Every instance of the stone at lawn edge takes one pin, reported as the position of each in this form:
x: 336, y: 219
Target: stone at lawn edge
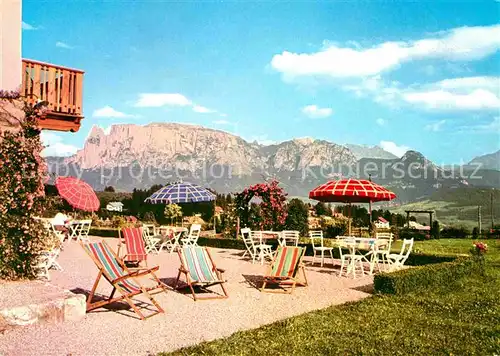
x: 68, y: 307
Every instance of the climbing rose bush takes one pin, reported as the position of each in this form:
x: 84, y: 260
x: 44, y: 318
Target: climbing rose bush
x: 22, y: 176
x: 272, y: 212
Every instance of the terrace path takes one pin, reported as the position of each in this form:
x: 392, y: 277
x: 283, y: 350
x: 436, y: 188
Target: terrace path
x: 185, y: 322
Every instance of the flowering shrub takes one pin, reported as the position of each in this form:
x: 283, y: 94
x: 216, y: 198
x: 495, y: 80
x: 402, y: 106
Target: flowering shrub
x: 22, y: 174
x: 272, y: 213
x: 479, y: 249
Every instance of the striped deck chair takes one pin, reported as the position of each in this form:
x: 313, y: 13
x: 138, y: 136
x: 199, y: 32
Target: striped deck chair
x: 134, y: 245
x: 285, y: 268
x: 199, y: 269
x: 125, y: 282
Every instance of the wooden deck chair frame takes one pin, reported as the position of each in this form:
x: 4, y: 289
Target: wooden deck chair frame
x: 291, y: 280
x: 191, y: 283
x: 129, y: 275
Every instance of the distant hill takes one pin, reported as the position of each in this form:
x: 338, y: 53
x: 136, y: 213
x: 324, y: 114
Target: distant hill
x: 488, y: 161
x: 458, y: 207
x: 363, y: 151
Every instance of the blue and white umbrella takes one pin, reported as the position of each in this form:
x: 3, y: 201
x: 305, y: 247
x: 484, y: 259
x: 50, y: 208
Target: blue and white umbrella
x: 183, y: 192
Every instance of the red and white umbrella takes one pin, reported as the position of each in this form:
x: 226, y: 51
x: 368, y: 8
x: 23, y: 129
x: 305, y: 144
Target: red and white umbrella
x: 77, y: 193
x: 351, y: 191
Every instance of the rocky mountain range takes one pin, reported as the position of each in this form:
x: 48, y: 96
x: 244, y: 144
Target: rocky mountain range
x: 133, y: 156
x: 488, y: 161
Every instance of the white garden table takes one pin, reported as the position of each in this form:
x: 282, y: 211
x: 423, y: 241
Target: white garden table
x: 171, y: 243
x: 354, y: 244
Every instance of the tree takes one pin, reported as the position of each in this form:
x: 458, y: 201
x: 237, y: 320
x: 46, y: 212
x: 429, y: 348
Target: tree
x: 435, y: 230
x: 109, y: 189
x: 322, y: 209
x: 297, y: 216
x: 173, y: 212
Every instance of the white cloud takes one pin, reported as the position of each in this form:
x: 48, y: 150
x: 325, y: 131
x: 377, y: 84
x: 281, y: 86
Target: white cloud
x: 435, y: 126
x: 63, y: 45
x: 108, y: 111
x: 223, y: 115
x: 478, y: 99
x: 458, y: 44
x: 155, y: 100
x: 467, y: 83
x: 27, y: 27
x: 393, y: 148
x: 202, y: 110
x: 55, y: 146
x: 381, y: 122
x: 315, y: 112
x: 221, y: 122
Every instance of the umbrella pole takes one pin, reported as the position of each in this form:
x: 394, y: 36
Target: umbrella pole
x: 349, y: 209
x: 215, y: 218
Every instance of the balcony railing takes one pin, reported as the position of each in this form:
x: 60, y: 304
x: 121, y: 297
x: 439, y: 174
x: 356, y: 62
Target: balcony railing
x: 60, y: 87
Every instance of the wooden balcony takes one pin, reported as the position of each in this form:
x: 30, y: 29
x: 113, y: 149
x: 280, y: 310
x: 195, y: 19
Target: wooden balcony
x: 60, y: 87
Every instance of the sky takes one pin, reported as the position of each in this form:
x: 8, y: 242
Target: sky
x: 403, y: 75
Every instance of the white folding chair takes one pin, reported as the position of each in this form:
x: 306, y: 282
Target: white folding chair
x: 83, y: 228
x: 48, y: 260
x: 289, y: 238
x: 261, y: 250
x: 150, y: 240
x: 397, y: 260
x: 381, y: 253
x: 318, y: 246
x: 249, y: 244
x: 192, y: 238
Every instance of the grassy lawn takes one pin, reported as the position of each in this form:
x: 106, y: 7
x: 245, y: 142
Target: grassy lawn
x: 460, y: 318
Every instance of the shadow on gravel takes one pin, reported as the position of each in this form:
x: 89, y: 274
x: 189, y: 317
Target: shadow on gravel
x: 253, y: 281
x: 120, y: 307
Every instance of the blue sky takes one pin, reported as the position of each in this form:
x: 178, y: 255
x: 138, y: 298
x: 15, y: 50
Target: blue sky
x: 420, y: 75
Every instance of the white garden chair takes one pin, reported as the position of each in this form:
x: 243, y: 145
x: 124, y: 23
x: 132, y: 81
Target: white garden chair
x: 192, y: 238
x: 397, y: 260
x: 381, y: 253
x: 255, y: 248
x: 289, y: 238
x: 318, y: 246
x: 150, y: 240
x: 48, y: 260
x: 79, y: 230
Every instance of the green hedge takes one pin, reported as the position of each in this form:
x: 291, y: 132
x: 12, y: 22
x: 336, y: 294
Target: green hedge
x: 103, y: 232
x: 421, y: 277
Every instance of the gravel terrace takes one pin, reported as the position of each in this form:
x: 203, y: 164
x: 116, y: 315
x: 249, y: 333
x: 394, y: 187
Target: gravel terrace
x: 118, y: 331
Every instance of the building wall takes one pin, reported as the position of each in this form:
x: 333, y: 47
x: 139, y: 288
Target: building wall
x: 10, y: 44
x: 11, y: 113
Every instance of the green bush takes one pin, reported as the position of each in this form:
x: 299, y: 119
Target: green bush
x: 418, y: 278
x: 103, y: 232
x: 297, y: 216
x: 333, y: 227
x: 417, y: 235
x: 455, y: 233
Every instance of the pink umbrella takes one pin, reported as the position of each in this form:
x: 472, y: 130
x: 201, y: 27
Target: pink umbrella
x: 77, y: 193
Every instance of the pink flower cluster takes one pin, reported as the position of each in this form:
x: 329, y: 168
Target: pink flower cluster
x: 480, y: 247
x: 22, y: 175
x: 273, y: 206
